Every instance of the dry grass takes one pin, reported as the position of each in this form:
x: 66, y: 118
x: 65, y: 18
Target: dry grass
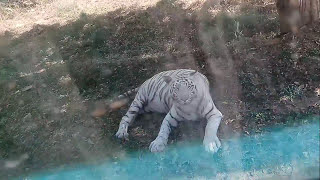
x: 17, y: 20
x: 20, y: 16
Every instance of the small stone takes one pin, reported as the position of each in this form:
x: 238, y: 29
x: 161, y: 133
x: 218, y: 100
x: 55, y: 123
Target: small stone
x: 27, y: 88
x: 90, y: 142
x: 27, y: 117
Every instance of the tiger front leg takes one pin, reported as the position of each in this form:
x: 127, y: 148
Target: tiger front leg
x: 160, y: 143
x: 128, y: 118
x: 211, y: 141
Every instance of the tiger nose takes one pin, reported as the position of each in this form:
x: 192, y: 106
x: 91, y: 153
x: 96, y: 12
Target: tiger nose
x: 184, y: 94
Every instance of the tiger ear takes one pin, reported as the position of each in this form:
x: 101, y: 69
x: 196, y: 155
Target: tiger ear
x: 167, y: 79
x: 193, y: 73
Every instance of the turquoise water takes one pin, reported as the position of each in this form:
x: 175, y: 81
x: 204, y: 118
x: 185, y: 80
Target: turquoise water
x: 286, y: 151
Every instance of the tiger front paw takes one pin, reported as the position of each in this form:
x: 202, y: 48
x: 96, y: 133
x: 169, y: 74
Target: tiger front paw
x: 122, y: 132
x: 158, y: 145
x: 211, y: 144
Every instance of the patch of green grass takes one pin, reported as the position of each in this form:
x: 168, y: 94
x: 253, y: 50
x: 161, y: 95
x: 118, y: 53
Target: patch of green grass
x: 297, y: 118
x: 246, y: 24
x: 101, y: 51
x: 314, y: 52
x: 7, y: 73
x: 260, y: 116
x: 6, y: 143
x: 285, y: 55
x: 292, y: 92
x: 254, y: 89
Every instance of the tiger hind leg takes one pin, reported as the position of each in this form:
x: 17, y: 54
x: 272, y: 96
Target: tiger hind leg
x: 135, y: 108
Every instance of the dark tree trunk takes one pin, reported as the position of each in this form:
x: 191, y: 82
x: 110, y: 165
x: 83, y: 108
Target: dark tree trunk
x: 295, y: 13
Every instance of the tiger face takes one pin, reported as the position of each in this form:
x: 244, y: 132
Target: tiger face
x: 182, y: 90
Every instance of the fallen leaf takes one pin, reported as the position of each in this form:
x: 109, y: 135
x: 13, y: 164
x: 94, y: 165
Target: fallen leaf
x: 317, y: 91
x: 40, y: 71
x: 27, y: 88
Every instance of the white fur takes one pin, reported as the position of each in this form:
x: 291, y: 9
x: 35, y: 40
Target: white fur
x: 189, y: 99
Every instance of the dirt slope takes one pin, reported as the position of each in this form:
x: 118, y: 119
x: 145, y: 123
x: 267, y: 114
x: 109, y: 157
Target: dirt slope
x: 52, y: 76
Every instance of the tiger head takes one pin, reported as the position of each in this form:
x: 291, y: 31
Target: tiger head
x: 182, y: 89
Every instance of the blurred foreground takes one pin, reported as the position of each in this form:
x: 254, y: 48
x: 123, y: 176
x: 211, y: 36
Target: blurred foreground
x: 280, y: 152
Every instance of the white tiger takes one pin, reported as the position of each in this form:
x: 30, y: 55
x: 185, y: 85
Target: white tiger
x: 184, y: 95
